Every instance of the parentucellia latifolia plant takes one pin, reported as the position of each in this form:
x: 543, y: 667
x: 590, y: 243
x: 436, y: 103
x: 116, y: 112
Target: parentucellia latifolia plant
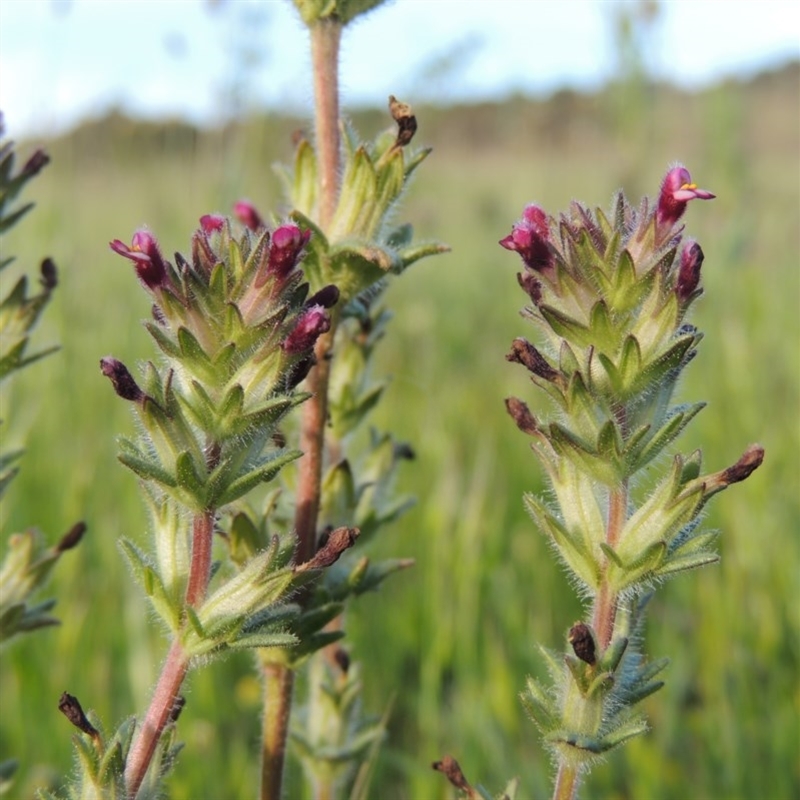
x: 609, y: 296
x: 259, y: 319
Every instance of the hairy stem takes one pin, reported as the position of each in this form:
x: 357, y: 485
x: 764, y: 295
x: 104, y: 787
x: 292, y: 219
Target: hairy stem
x: 566, y: 787
x: 605, y: 606
x: 277, y: 694
x: 176, y: 665
x: 279, y: 679
x: 326, y: 37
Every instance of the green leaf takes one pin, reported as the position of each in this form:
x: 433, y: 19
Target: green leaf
x: 653, y: 446
x: 570, y: 329
x: 189, y: 479
x: 571, y: 549
x: 262, y: 639
x: 263, y: 473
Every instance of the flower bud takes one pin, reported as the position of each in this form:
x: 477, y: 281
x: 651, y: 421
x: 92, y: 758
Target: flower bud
x: 689, y: 271
x: 36, y: 163
x: 71, y: 538
x: 531, y: 286
x: 312, y: 323
x: 49, y: 274
x: 286, y: 249
x: 124, y: 384
x: 530, y: 237
x: 327, y: 297
x: 677, y: 190
x: 246, y: 213
x: 146, y: 256
x: 212, y: 223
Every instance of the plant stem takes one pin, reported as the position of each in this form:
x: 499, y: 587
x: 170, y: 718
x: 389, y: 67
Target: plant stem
x: 278, y: 678
x: 566, y: 787
x: 177, y: 664
x: 326, y: 37
x: 277, y: 695
x: 605, y: 606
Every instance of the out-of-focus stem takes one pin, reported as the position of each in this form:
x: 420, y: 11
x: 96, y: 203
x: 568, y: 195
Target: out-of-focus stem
x: 277, y: 683
x: 279, y: 679
x: 605, y: 605
x: 326, y: 37
x: 176, y: 665
x: 566, y: 787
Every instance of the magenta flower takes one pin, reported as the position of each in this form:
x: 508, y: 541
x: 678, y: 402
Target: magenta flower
x: 286, y: 249
x: 146, y: 256
x: 530, y: 237
x: 246, y: 213
x: 212, y: 223
x: 313, y: 322
x: 689, y: 270
x: 677, y: 190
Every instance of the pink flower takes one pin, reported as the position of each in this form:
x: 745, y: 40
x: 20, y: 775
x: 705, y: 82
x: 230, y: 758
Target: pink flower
x: 286, y: 249
x: 677, y: 190
x: 146, y: 256
x: 246, y: 213
x: 689, y: 270
x: 313, y: 322
x: 212, y: 223
x: 530, y: 237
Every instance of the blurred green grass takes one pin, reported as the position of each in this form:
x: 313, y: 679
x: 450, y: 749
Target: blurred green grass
x: 453, y: 639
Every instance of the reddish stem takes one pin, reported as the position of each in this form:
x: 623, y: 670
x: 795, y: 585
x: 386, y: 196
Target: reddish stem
x: 177, y: 664
x: 605, y: 606
x: 277, y: 694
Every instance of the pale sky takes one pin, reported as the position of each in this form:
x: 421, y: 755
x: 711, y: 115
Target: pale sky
x: 61, y: 60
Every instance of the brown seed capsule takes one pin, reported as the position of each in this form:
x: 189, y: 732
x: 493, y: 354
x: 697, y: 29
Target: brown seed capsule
x: 71, y: 709
x: 582, y: 641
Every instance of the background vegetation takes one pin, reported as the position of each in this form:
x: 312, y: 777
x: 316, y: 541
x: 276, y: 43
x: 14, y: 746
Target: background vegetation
x: 451, y: 641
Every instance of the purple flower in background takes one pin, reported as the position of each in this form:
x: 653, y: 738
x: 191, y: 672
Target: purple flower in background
x: 246, y: 213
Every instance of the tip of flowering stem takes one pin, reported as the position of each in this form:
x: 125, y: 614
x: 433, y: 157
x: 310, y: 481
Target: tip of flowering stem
x: 71, y: 709
x: 450, y: 768
x: 337, y: 542
x: 71, y: 538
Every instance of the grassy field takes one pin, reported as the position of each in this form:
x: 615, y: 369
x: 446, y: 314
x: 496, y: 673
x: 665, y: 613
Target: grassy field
x: 453, y: 639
